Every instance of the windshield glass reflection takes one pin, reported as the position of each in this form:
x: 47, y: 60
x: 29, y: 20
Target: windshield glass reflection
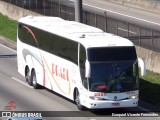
x: 113, y: 77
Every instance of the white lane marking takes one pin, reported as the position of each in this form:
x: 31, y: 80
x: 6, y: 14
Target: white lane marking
x: 122, y: 14
x: 16, y: 79
x: 8, y: 48
x: 127, y: 31
x: 117, y: 13
x: 144, y: 109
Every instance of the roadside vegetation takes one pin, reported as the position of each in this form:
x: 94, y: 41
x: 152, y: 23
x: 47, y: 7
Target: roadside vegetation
x: 149, y: 85
x: 8, y: 27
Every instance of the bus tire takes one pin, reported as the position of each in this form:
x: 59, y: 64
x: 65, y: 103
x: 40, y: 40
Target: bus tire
x: 77, y: 100
x: 27, y: 76
x: 34, y: 80
x: 29, y: 81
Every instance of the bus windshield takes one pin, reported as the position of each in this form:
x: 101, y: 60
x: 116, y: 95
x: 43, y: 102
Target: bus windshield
x: 113, y: 77
x: 113, y: 69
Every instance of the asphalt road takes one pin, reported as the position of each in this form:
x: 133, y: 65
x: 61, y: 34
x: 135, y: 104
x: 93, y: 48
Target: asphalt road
x: 24, y: 98
x: 14, y: 89
x: 123, y: 10
x: 123, y: 13
x: 119, y: 12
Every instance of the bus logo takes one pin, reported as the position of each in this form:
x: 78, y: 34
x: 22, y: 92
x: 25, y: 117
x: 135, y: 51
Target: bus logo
x: 115, y: 97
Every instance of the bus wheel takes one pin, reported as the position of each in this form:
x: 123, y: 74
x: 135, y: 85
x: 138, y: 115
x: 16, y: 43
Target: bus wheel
x: 34, y: 80
x: 78, y: 102
x: 28, y: 77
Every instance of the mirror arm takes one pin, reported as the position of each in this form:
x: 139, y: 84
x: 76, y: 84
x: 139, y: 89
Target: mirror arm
x: 142, y: 67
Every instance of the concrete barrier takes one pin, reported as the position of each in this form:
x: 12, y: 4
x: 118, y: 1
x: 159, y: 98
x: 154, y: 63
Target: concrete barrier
x: 14, y: 12
x: 151, y: 58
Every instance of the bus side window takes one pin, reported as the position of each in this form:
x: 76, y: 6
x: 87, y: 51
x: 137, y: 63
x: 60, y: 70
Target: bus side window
x: 25, y: 35
x: 82, y: 60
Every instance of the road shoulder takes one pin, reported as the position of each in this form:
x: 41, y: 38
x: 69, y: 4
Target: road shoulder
x: 9, y: 43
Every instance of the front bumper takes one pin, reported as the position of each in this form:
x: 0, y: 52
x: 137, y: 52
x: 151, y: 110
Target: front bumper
x: 101, y: 104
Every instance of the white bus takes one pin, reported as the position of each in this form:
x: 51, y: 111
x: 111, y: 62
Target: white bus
x: 93, y: 68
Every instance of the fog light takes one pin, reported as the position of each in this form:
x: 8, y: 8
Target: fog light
x: 93, y: 104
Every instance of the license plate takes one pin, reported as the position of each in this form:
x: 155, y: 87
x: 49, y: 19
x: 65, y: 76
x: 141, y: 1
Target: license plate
x: 115, y: 104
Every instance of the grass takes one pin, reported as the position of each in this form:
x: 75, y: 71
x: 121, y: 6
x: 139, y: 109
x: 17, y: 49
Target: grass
x: 8, y: 27
x: 149, y: 85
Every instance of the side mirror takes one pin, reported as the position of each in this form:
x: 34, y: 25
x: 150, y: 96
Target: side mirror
x: 142, y: 67
x: 87, y: 67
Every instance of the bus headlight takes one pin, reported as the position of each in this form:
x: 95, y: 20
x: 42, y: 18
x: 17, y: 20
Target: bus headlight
x: 95, y: 98
x: 133, y: 97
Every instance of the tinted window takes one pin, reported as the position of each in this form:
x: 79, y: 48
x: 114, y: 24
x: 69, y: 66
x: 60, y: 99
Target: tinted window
x: 82, y: 58
x: 112, y: 54
x: 51, y: 43
x: 26, y: 36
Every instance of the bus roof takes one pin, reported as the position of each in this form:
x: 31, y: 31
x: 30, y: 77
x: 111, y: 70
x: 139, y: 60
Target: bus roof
x: 87, y: 35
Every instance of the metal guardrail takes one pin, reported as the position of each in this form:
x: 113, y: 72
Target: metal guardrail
x: 65, y: 10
